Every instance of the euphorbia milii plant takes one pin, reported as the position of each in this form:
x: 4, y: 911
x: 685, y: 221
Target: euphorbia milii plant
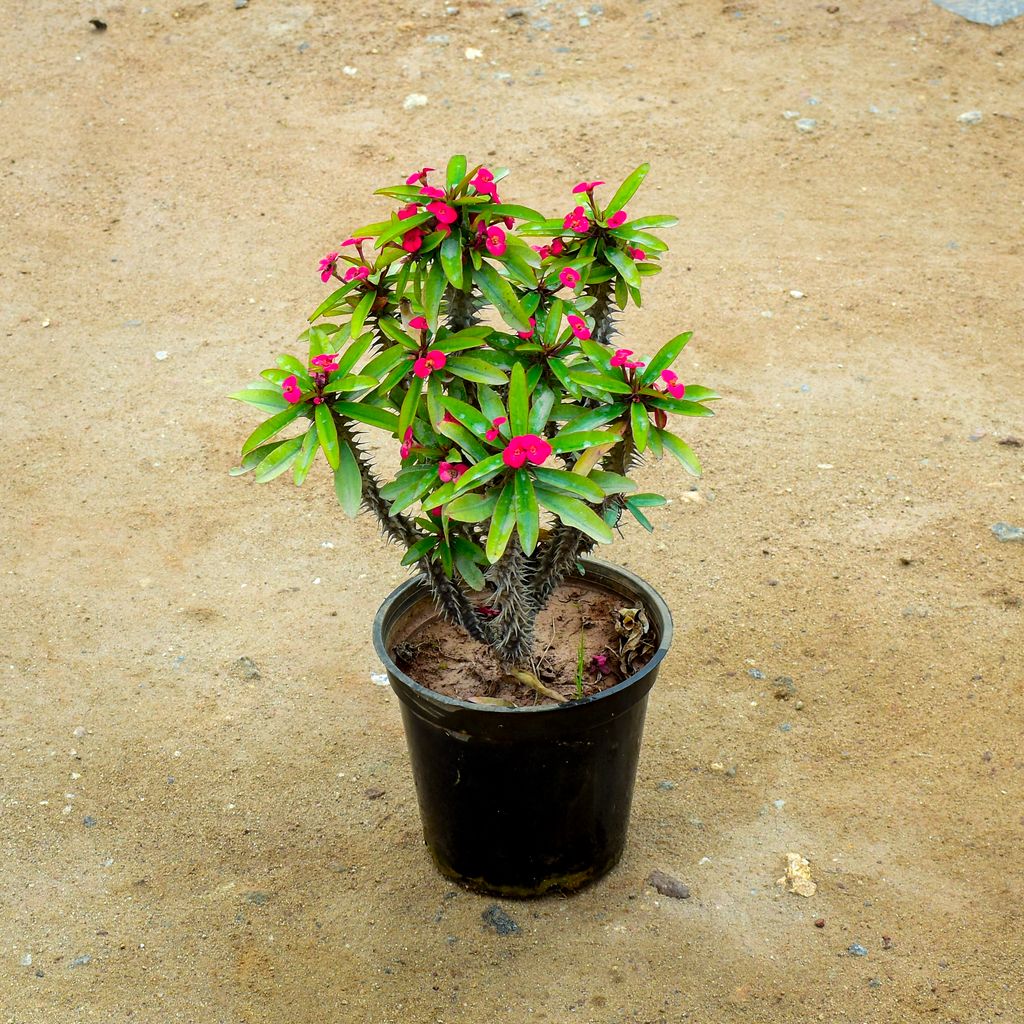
x: 517, y: 419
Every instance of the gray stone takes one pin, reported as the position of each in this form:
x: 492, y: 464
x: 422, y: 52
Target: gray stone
x: 246, y: 668
x: 669, y: 886
x: 80, y: 961
x: 856, y: 949
x: 665, y: 784
x: 1004, y: 531
x: 496, y: 918
x: 985, y: 12
x: 970, y: 117
x: 806, y: 124
x: 89, y: 821
x: 755, y: 673
x: 239, y: 4
x: 257, y: 899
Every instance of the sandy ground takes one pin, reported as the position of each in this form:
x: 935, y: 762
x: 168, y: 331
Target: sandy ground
x: 183, y: 841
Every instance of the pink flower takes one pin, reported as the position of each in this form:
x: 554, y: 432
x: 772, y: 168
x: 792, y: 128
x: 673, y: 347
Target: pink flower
x: 526, y: 448
x: 557, y: 247
x: 357, y: 273
x: 576, y: 221
x: 495, y: 241
x: 326, y: 362
x: 327, y: 266
x: 318, y: 400
x: 483, y: 182
x: 412, y: 240
x: 358, y: 240
x: 569, y: 277
x: 420, y: 176
x: 407, y: 211
x: 674, y: 389
x: 448, y: 417
x: 544, y: 250
x: 617, y: 219
x: 487, y: 611
x: 621, y: 356
x: 431, y: 192
x: 407, y: 443
x: 585, y: 186
x: 599, y: 663
x: 290, y: 389
x: 579, y: 327
x: 419, y: 323
x: 637, y: 254
x: 449, y: 471
x: 528, y: 334
x: 443, y: 212
x: 426, y: 365
x: 492, y: 434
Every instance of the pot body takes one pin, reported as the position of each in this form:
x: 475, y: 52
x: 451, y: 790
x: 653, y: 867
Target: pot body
x: 522, y: 801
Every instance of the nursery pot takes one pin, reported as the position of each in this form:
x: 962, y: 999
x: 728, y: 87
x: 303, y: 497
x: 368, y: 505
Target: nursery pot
x: 523, y: 801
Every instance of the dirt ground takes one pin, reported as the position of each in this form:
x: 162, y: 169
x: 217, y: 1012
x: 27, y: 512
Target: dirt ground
x: 188, y: 837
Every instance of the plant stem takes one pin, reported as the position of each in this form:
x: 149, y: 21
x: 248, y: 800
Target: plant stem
x: 462, y: 312
x: 603, y: 311
x: 512, y: 628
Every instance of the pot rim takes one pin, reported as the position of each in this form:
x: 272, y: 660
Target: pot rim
x: 603, y: 572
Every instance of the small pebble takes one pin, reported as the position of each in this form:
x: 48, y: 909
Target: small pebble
x: 414, y: 100
x: 970, y: 117
x: 875, y: 983
x: 379, y: 678
x: 665, y: 784
x: 1012, y: 442
x: 239, y: 4
x: 755, y: 673
x: 349, y: 70
x: 886, y: 942
x: 806, y: 124
x: 496, y: 918
x: 791, y: 115
x: 778, y: 804
x: 161, y: 356
x: 669, y: 886
x: 473, y: 54
x: 856, y: 949
x: 796, y: 294
x: 785, y: 727
x: 820, y: 923
x: 799, y: 705
x: 373, y: 793
x: 976, y: 435
x: 257, y: 899
x: 78, y: 732
x: 26, y: 960
x: 89, y: 821
x: 81, y: 961
x: 246, y: 668
x: 1004, y: 532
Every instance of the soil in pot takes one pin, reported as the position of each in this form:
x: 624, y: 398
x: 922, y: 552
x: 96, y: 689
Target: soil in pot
x: 616, y: 642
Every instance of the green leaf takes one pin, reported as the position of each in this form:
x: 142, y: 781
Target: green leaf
x: 451, y: 259
x: 408, y: 479
x: 627, y: 189
x: 252, y: 459
x: 577, y: 440
x: 410, y: 406
x: 490, y: 404
x: 474, y: 507
x: 661, y: 221
x: 360, y: 312
x: 386, y: 361
x: 572, y: 512
x: 467, y: 555
x: 665, y: 357
x: 478, y: 474
x: 306, y: 455
x: 332, y: 300
x: 354, y: 353
x: 499, y: 293
x: 371, y: 415
x: 540, y: 411
x: 680, y: 406
x: 572, y: 483
x: 600, y: 381
x: 640, y: 517
x: 650, y: 243
x: 476, y: 370
x: 465, y: 440
x: 612, y: 483
x: 682, y: 451
x: 590, y: 418
x: 432, y: 292
x: 444, y: 554
x: 467, y: 415
x: 393, y: 329
x: 435, y: 392
x: 327, y: 431
x: 625, y: 266
x: 422, y: 547
x: 646, y: 500
x: 413, y: 486
x: 526, y: 513
x: 350, y: 382
x: 400, y: 227
x: 561, y: 371
x: 293, y: 365
x: 348, y: 482
x: 513, y: 210
x: 271, y: 401
x: 518, y: 402
x: 455, y: 171
x: 278, y: 460
x: 502, y: 523
x: 640, y: 424
x: 268, y: 428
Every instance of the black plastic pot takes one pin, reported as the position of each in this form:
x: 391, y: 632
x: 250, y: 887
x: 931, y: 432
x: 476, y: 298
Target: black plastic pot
x: 523, y: 801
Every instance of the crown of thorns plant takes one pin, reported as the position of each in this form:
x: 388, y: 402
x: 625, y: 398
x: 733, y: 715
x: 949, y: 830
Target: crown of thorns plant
x: 517, y: 438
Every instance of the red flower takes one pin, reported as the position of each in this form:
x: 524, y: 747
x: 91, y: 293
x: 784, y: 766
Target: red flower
x: 637, y: 254
x: 557, y: 247
x: 418, y: 323
x: 526, y: 448
x: 495, y: 241
x: 431, y: 192
x: 426, y: 365
x: 585, y: 186
x: 483, y: 182
x: 407, y: 211
x: 674, y: 389
x: 616, y: 220
x: 357, y: 273
x: 528, y: 334
x: 569, y: 277
x: 290, y: 389
x: 420, y: 176
x: 443, y: 212
x: 327, y: 266
x: 325, y: 362
x: 449, y: 471
x: 492, y: 434
x: 577, y: 221
x: 408, y: 443
x: 412, y: 240
x: 580, y: 328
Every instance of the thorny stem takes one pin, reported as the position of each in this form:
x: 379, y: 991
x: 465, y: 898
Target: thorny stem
x: 512, y: 628
x: 462, y: 312
x: 603, y: 311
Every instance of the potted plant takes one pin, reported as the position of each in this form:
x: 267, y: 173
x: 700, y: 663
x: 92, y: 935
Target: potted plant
x: 522, y: 667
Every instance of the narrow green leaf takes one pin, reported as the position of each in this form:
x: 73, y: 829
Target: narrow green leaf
x: 350, y: 382
x: 571, y: 483
x: 680, y: 406
x: 640, y: 517
x: 306, y: 455
x: 268, y: 428
x: 600, y: 381
x: 386, y: 361
x: 393, y: 329
x: 474, y: 507
x: 332, y: 300
x: 467, y: 415
x: 682, y: 451
x: 627, y: 189
x: 435, y: 392
x: 540, y: 409
x: 662, y: 221
x: 665, y: 357
x: 502, y: 523
x: 467, y: 443
x: 526, y: 513
x: 327, y: 431
x: 271, y: 401
x: 293, y: 365
x: 490, y: 404
x: 354, y: 353
x: 253, y: 458
x: 359, y: 314
x: 371, y: 415
x: 455, y: 171
x: 590, y: 418
x: 348, y: 483
x: 475, y: 475
x: 574, y: 513
x: 451, y: 259
x: 647, y: 500
x: 640, y: 424
x: 400, y: 227
x: 278, y: 460
x: 624, y: 265
x: 518, y: 402
x: 476, y: 370
x: 578, y: 440
x: 410, y: 406
x: 499, y: 293
x: 422, y: 547
x: 513, y: 210
x: 613, y: 483
x: 432, y: 292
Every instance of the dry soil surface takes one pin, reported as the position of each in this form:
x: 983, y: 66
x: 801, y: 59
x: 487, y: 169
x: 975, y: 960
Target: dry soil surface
x: 188, y: 837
